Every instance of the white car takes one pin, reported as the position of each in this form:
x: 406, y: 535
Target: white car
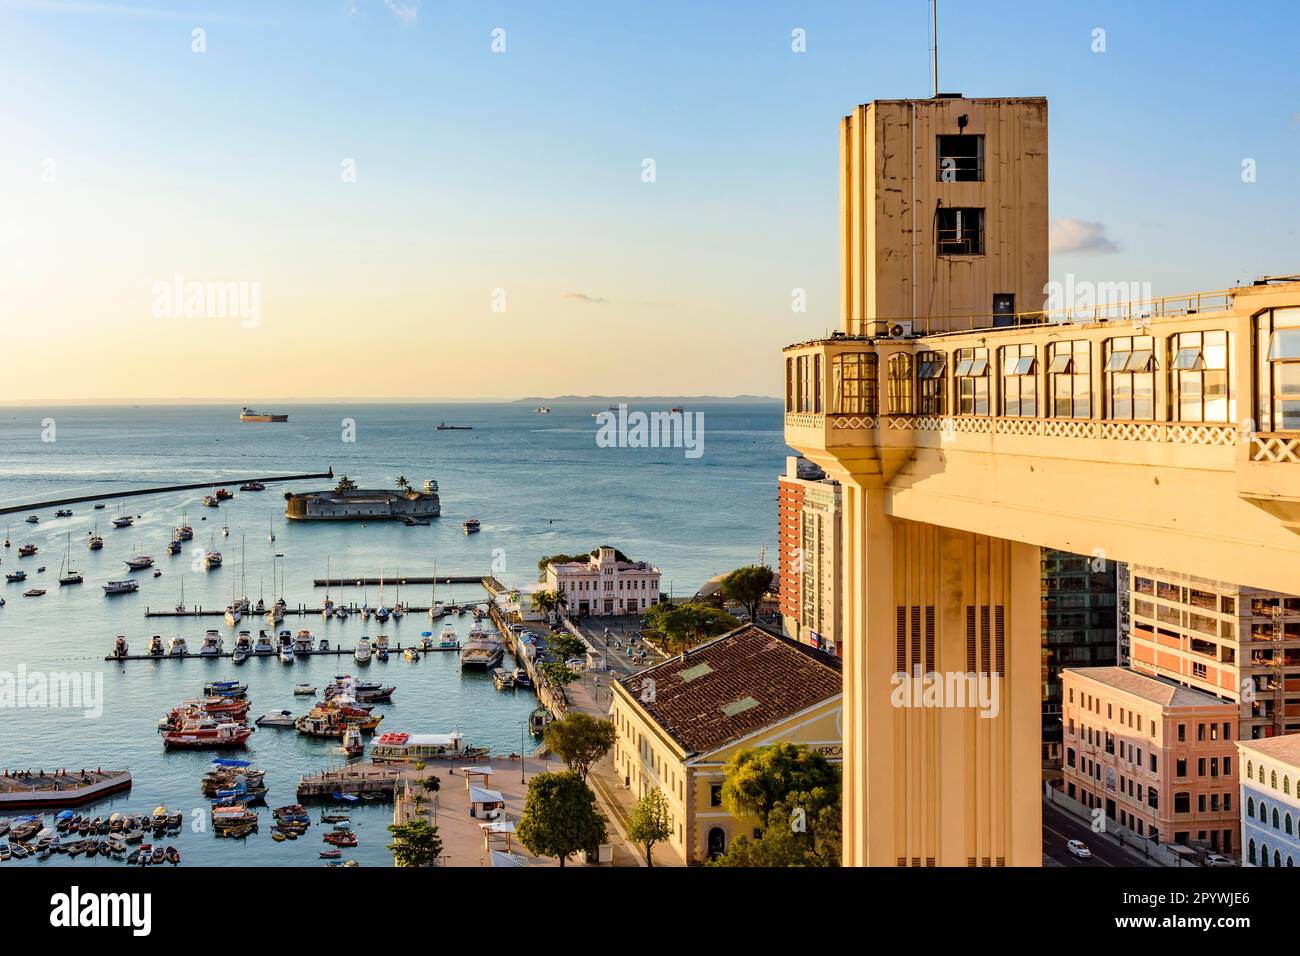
x: 1214, y: 859
x: 1079, y: 849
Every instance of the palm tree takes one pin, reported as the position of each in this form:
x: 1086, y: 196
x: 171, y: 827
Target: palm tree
x: 403, y: 484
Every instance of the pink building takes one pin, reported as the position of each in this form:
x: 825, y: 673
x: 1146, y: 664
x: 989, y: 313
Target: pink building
x: 1158, y: 758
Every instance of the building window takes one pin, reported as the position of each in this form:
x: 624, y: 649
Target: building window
x: 931, y: 379
x: 1130, y: 378
x: 715, y: 795
x: 972, y: 381
x: 959, y: 232
x: 789, y: 385
x: 1069, y: 379
x: 961, y: 159
x: 899, y: 375
x: 1277, y: 373
x: 1019, y: 381
x: 853, y: 383
x: 1199, y: 377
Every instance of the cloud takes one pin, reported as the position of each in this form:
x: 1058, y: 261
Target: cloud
x: 583, y: 297
x: 1076, y: 235
x: 406, y: 11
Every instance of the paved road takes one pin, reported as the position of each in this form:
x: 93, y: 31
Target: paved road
x: 1060, y: 826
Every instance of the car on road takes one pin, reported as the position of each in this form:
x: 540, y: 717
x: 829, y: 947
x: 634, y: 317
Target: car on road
x: 1214, y: 859
x: 1079, y: 849
x: 575, y: 662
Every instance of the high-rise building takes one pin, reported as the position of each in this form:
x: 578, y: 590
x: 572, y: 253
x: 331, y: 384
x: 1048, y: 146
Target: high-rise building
x: 811, y: 548
x: 1239, y: 643
x: 1123, y: 624
x: 1152, y: 755
x: 1078, y: 631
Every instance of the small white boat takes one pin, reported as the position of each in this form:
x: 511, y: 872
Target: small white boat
x: 286, y: 653
x: 304, y: 690
x: 362, y: 652
x: 121, y: 587
x: 176, y: 647
x: 212, y: 645
x: 279, y: 719
x: 263, y: 645
x: 341, y: 612
x: 233, y: 615
x: 123, y: 521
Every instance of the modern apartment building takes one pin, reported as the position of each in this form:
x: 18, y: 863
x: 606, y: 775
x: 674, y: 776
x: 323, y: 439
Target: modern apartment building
x: 1270, y: 801
x: 1239, y: 643
x: 811, y: 547
x: 603, y: 585
x: 1155, y: 756
x: 1079, y: 603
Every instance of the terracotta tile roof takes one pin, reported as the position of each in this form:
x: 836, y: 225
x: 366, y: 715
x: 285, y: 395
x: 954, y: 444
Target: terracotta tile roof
x: 735, y: 684
x: 1283, y: 748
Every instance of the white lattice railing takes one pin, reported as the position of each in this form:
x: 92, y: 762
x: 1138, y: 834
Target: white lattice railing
x: 1275, y: 448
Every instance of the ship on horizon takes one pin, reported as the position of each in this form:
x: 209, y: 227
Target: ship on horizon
x: 249, y: 415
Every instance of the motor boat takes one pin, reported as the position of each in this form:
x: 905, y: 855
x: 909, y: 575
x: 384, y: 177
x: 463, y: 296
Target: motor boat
x: 27, y: 550
x: 33, y: 519
x: 303, y: 642
x: 211, y: 559
x: 121, y: 587
x: 243, y: 647
x: 212, y: 645
x: 352, y: 743
x: 209, y: 501
x: 341, y: 612
x: 471, y: 526
x: 15, y: 576
x: 176, y: 647
x: 286, y: 652
x: 206, y: 731
x: 120, y: 650
x: 223, y: 494
x: 362, y: 651
x: 156, y: 646
x: 282, y: 718
x: 233, y: 615
x: 225, y: 688
x: 34, y: 592
x: 324, y: 646
x: 304, y: 690
x: 263, y: 646
x: 123, y: 521
x: 449, y: 639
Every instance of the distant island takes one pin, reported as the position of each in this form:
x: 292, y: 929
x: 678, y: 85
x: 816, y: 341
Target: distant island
x: 641, y: 399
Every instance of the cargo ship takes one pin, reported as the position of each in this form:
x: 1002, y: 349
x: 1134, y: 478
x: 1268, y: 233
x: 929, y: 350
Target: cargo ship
x: 249, y: 415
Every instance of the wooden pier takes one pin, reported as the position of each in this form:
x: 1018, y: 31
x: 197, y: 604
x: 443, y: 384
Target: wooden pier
x: 302, y: 610
x: 357, y: 582
x: 162, y: 489
x: 333, y: 651
x: 362, y: 778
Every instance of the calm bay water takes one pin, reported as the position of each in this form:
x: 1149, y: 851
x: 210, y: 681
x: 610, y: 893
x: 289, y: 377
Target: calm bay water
x: 538, y: 483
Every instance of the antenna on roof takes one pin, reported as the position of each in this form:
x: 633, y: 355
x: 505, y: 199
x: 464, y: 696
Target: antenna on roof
x: 934, y: 50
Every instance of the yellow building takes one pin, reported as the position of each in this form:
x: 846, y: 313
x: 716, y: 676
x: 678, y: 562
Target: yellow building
x: 970, y: 426
x: 679, y: 723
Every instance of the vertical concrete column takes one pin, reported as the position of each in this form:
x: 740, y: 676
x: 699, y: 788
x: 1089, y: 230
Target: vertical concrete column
x: 929, y: 780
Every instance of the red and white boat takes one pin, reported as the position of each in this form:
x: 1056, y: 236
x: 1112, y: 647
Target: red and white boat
x: 198, y: 732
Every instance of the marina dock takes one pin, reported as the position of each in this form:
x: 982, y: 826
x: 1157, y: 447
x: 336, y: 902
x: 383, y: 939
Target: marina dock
x: 400, y: 579
x: 333, y: 651
x: 358, y: 779
x: 301, y: 610
x: 59, y: 789
x: 161, y: 489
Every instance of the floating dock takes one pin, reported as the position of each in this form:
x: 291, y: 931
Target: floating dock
x: 161, y: 489
x: 355, y: 780
x: 332, y: 652
x: 300, y: 611
x: 356, y: 582
x: 62, y: 789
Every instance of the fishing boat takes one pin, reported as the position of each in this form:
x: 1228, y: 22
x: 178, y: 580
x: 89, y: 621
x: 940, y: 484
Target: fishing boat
x: 263, y: 646
x: 120, y: 648
x: 212, y: 646
x: 27, y: 550
x: 225, y: 688
x: 200, y: 732
x: 14, y: 576
x: 34, y: 592
x: 174, y: 547
x: 123, y: 521
x: 211, y: 559
x: 341, y: 838
x: 503, y: 679
x: 176, y: 647
x: 352, y: 743
x: 252, y: 486
x: 470, y: 526
x: 121, y: 587
x: 421, y: 747
x: 235, y: 820
x: 183, y: 532
x: 139, y: 562
x: 223, y: 494
x: 210, y: 501
x: 331, y: 854
x: 362, y: 652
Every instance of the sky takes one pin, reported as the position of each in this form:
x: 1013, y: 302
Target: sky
x: 453, y: 199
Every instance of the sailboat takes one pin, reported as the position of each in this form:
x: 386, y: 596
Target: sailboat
x: 95, y: 542
x: 181, y: 607
x: 436, y: 610
x: 66, y: 574
x: 399, y: 608
x: 327, y: 606
x: 381, y: 612
x: 271, y: 535
x: 7, y: 543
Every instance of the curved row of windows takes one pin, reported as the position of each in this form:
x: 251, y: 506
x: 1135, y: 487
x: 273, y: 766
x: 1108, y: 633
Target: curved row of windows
x: 1272, y: 777
x: 1263, y: 856
x: 1114, y: 378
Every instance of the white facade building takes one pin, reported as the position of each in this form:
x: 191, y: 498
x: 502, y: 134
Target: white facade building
x: 603, y: 585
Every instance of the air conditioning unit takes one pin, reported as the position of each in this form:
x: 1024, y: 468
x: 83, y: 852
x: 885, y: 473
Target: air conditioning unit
x: 900, y: 329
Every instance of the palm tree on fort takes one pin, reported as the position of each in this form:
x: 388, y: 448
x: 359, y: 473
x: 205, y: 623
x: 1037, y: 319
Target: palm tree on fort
x: 403, y: 484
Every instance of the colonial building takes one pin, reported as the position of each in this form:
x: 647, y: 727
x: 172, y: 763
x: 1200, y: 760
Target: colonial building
x: 604, y: 585
x: 1270, y: 801
x: 679, y: 723
x: 1239, y: 643
x: 811, y: 547
x: 1154, y: 756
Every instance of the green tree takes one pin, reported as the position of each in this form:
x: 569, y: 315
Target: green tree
x: 431, y: 783
x: 345, y: 485
x: 795, y: 793
x: 684, y: 625
x: 747, y: 586
x: 565, y: 646
x: 580, y: 740
x: 403, y: 484
x: 558, y: 673
x: 560, y: 817
x: 650, y: 823
x: 415, y: 843
x: 565, y: 558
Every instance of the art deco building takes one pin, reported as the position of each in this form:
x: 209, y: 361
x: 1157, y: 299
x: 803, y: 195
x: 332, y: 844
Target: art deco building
x: 969, y: 426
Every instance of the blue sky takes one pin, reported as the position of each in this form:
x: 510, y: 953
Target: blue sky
x: 521, y: 170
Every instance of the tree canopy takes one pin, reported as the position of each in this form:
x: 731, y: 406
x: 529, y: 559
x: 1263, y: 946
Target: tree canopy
x: 560, y: 817
x: 345, y: 484
x: 747, y: 586
x: 564, y: 558
x: 683, y: 625
x: 415, y: 843
x: 650, y: 823
x: 580, y: 740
